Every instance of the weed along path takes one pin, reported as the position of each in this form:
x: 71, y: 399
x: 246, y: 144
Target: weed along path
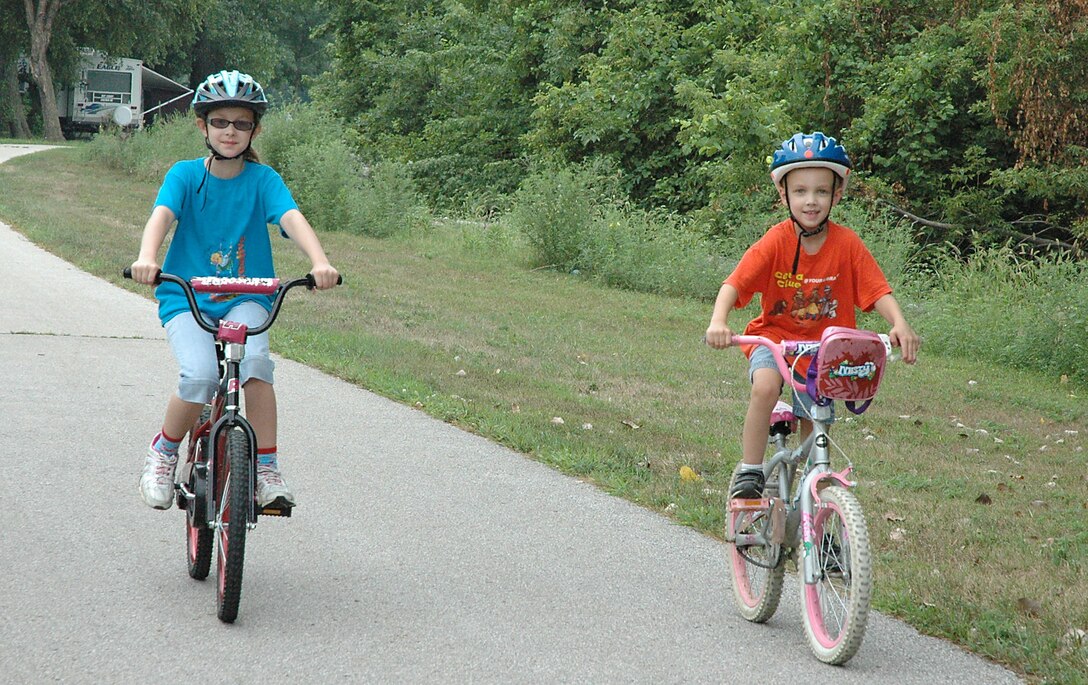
x: 418, y: 553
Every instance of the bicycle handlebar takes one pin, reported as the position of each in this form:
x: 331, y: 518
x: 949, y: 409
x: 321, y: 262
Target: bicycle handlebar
x: 238, y: 286
x: 793, y: 348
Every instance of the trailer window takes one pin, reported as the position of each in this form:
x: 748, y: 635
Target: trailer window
x: 109, y: 86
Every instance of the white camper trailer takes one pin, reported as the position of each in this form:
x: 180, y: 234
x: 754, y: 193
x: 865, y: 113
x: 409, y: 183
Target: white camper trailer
x: 116, y: 91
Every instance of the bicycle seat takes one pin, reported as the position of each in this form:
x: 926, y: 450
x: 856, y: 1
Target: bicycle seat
x: 782, y: 412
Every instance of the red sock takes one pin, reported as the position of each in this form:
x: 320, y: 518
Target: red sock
x: 266, y: 456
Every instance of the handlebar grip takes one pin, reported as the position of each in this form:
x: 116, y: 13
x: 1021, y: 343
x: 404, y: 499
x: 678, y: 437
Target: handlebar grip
x: 311, y: 282
x: 127, y: 273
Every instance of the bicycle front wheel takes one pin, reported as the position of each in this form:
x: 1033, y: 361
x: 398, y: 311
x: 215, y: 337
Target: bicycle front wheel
x: 233, y: 486
x: 836, y: 606
x: 756, y: 571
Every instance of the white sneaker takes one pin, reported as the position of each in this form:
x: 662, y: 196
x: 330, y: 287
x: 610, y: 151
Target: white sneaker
x: 157, y: 481
x: 271, y: 489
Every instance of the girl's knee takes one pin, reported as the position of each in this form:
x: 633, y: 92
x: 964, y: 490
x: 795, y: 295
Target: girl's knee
x: 258, y: 368
x: 197, y: 390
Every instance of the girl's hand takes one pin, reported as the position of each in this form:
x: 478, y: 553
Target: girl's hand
x: 903, y: 336
x: 145, y: 271
x: 325, y: 276
x: 718, y: 336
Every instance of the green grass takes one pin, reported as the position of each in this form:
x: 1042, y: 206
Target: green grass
x: 1003, y: 575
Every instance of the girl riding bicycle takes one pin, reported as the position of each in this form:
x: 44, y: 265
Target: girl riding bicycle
x: 812, y: 273
x: 222, y: 204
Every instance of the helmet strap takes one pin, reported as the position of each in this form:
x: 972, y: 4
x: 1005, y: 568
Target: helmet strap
x: 219, y: 157
x: 223, y: 158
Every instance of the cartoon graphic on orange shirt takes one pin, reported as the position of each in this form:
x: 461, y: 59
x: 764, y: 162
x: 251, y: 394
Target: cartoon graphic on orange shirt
x: 818, y: 305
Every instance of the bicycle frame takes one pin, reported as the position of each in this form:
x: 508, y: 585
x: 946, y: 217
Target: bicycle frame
x: 226, y: 416
x: 801, y: 504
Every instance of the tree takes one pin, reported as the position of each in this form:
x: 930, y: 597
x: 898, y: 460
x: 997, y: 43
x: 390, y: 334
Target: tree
x: 12, y: 45
x: 40, y: 18
x: 149, y: 27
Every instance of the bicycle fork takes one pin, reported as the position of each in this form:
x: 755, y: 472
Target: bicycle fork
x: 817, y: 477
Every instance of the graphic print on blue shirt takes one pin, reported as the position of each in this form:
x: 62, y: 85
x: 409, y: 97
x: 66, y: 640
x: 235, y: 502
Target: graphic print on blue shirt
x: 224, y: 233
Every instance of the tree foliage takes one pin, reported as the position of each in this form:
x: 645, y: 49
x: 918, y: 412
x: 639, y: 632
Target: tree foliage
x: 966, y: 114
x: 183, y: 39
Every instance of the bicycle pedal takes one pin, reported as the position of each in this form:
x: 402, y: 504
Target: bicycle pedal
x: 275, y: 509
x: 738, y: 504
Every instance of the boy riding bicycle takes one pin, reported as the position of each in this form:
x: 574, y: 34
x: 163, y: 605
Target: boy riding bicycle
x: 812, y: 274
x: 223, y: 204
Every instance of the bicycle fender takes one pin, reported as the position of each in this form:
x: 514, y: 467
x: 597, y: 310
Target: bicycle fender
x: 842, y: 478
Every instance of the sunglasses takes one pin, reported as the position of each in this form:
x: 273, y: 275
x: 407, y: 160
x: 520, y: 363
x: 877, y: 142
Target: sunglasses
x: 239, y: 124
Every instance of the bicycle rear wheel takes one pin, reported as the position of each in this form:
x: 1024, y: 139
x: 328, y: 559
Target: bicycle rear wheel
x: 756, y: 571
x: 198, y: 536
x: 233, y: 485
x: 836, y: 606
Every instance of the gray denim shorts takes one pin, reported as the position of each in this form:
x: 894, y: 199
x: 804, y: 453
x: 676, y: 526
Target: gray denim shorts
x: 762, y: 358
x: 194, y: 349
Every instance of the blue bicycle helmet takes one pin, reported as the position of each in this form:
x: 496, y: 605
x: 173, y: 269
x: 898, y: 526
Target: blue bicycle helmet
x: 229, y: 89
x: 810, y: 150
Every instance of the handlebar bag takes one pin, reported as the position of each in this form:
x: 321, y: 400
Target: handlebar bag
x: 848, y: 367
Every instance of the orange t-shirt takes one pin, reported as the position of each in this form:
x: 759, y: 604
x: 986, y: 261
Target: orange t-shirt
x: 825, y: 290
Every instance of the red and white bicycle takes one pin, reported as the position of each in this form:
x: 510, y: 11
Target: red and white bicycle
x: 217, y: 484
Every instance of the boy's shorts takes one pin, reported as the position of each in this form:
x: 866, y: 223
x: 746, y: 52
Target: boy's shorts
x: 194, y: 349
x: 762, y: 358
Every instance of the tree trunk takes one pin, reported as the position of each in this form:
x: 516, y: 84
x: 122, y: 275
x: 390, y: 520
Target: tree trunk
x: 40, y: 22
x: 15, y: 115
x: 205, y: 58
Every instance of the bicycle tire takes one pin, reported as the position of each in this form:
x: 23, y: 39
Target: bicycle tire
x: 836, y: 606
x: 233, y: 483
x: 757, y: 589
x: 198, y: 535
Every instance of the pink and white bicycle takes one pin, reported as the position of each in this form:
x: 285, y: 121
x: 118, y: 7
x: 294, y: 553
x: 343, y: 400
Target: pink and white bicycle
x: 809, y: 513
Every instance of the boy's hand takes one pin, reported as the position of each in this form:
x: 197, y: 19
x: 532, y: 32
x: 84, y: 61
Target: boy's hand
x: 325, y: 276
x: 903, y: 336
x: 718, y: 336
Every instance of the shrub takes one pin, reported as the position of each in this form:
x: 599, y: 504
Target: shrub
x: 388, y: 202
x: 150, y: 152
x: 283, y: 130
x: 555, y: 211
x: 653, y: 252
x: 324, y: 178
x: 1029, y: 313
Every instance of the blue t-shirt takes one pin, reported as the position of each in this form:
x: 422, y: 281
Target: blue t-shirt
x: 221, y: 231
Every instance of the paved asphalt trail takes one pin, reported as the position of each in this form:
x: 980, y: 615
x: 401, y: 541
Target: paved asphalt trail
x: 418, y: 554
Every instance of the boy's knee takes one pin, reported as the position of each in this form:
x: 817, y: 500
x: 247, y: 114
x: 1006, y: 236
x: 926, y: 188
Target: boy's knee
x: 766, y: 387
